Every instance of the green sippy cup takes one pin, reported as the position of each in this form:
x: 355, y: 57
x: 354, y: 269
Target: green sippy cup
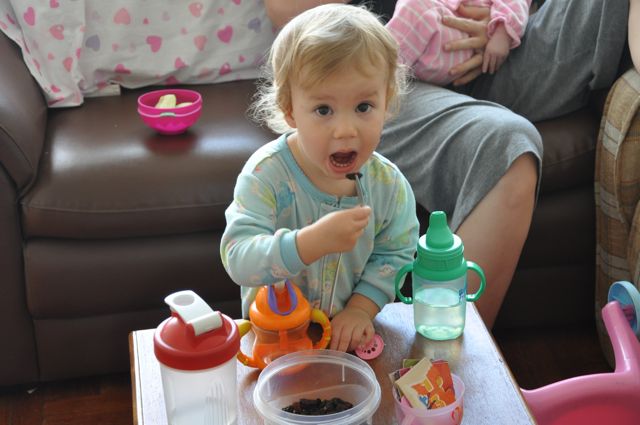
x: 439, y: 276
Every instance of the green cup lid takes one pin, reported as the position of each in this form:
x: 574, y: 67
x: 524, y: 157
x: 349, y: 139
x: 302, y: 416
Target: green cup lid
x: 440, y: 252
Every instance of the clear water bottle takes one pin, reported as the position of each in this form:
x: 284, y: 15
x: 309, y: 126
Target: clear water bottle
x: 439, y: 282
x: 197, y: 348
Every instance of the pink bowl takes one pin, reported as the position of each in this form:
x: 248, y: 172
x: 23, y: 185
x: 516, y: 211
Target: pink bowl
x: 147, y: 102
x: 170, y: 122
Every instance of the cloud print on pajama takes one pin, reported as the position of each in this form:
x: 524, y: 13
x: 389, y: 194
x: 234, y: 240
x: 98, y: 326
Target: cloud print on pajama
x: 83, y: 48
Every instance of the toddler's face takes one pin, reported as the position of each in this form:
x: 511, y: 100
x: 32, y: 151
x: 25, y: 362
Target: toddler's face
x: 338, y: 122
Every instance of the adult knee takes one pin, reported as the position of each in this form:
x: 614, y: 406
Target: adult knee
x: 511, y: 132
x: 518, y: 185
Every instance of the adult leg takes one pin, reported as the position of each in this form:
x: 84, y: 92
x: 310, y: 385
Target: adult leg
x: 569, y: 48
x: 495, y: 231
x: 478, y: 162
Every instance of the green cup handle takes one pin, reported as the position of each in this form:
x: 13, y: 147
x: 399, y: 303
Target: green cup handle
x: 474, y: 267
x: 404, y: 270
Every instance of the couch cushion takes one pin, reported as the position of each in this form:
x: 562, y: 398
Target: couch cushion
x: 569, y: 150
x: 67, y: 279
x: 104, y: 174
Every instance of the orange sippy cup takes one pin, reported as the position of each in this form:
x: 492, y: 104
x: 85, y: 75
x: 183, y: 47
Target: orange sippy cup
x: 280, y: 317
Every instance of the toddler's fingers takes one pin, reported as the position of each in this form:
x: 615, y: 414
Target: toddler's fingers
x: 340, y: 339
x: 358, y: 338
x: 335, y: 338
x: 336, y: 329
x: 367, y: 336
x: 363, y: 211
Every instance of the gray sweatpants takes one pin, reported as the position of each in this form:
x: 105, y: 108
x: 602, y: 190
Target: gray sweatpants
x: 454, y: 148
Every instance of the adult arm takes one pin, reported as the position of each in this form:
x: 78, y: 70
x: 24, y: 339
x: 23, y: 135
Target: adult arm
x: 281, y: 11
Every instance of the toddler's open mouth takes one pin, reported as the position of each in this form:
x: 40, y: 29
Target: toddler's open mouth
x: 343, y: 159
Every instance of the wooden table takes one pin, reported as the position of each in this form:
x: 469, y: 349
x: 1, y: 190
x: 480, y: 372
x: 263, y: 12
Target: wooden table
x: 492, y: 396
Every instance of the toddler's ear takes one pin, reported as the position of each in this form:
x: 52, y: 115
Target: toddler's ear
x: 291, y: 121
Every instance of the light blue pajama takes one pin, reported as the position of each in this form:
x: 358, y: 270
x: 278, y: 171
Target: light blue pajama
x: 273, y: 199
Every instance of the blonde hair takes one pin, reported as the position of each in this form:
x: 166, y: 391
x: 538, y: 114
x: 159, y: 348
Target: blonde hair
x: 318, y: 42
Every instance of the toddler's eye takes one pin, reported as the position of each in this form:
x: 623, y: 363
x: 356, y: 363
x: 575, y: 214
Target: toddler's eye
x: 364, y: 107
x: 323, y: 110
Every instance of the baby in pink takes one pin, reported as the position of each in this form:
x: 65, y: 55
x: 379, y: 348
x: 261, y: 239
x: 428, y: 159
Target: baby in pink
x: 418, y: 28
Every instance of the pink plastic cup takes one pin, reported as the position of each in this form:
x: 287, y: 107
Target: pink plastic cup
x: 448, y: 415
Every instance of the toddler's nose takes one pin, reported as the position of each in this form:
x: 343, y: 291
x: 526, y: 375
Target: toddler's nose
x: 344, y: 128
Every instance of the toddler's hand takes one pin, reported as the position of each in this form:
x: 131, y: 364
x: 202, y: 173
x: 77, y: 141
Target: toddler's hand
x: 335, y: 232
x: 496, y: 51
x: 339, y: 231
x: 350, y: 329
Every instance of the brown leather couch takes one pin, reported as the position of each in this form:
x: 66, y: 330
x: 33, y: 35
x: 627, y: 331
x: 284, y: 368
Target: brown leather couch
x: 100, y: 219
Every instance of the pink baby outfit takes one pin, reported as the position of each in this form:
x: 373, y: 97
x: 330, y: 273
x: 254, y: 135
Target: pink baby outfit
x: 417, y: 26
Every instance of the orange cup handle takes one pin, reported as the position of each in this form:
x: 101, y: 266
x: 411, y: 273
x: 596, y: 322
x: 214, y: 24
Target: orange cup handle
x: 244, y: 326
x: 318, y: 316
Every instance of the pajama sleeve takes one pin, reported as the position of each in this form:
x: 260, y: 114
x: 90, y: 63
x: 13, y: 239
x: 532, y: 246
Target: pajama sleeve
x: 513, y: 14
x: 394, y: 246
x: 252, y: 251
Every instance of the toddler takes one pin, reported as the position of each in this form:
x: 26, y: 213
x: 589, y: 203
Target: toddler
x: 417, y: 26
x: 334, y: 79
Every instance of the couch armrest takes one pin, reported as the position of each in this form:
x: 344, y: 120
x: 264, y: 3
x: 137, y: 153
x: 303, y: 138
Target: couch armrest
x: 617, y: 191
x: 23, y: 117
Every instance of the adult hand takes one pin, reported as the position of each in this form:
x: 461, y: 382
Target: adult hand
x: 473, y: 21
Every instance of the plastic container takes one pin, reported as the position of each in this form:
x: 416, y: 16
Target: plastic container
x: 311, y: 374
x: 196, y: 348
x: 147, y: 102
x: 280, y: 317
x: 448, y: 415
x: 170, y: 120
